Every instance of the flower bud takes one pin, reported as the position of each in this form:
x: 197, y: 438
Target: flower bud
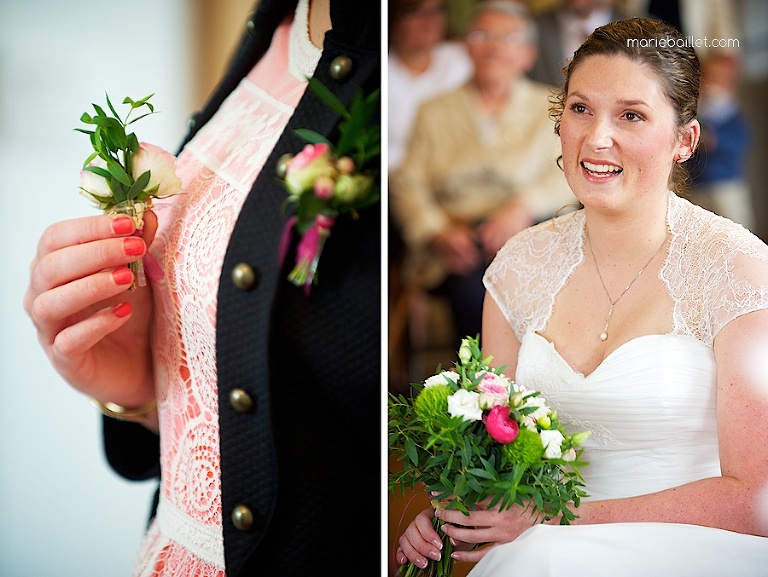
x: 306, y: 167
x: 345, y: 165
x: 352, y: 187
x: 324, y: 187
x: 465, y: 352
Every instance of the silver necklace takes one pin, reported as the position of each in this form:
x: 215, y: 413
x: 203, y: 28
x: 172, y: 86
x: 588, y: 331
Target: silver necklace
x: 604, y: 334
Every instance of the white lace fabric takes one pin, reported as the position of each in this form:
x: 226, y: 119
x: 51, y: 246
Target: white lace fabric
x: 713, y: 271
x: 650, y: 404
x: 217, y: 168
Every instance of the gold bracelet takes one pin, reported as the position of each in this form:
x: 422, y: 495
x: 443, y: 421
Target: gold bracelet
x: 121, y: 413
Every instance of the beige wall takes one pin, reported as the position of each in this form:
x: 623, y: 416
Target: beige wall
x: 217, y: 26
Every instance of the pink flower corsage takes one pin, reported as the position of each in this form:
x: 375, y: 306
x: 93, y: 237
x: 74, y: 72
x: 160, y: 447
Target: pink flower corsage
x: 325, y: 181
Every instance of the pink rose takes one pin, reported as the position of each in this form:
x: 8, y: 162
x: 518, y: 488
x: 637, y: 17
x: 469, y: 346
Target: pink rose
x: 500, y: 426
x: 162, y: 166
x: 494, y: 390
x: 306, y: 167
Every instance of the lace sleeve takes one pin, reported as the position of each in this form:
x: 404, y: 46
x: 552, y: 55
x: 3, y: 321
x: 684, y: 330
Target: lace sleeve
x: 525, y: 290
x: 716, y: 271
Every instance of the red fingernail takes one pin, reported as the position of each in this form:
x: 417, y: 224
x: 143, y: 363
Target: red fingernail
x: 133, y: 246
x: 121, y: 310
x: 122, y: 276
x: 122, y: 225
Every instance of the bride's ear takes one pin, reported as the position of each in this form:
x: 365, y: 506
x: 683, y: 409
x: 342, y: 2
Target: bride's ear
x: 689, y: 141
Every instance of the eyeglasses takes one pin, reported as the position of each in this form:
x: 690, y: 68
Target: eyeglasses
x: 486, y: 37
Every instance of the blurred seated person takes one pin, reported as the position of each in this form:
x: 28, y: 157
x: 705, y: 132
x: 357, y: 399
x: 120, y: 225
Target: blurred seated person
x: 562, y: 28
x: 718, y: 169
x: 422, y: 63
x: 480, y: 166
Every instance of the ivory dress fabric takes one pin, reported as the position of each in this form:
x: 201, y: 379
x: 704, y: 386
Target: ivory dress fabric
x: 650, y: 404
x: 217, y: 168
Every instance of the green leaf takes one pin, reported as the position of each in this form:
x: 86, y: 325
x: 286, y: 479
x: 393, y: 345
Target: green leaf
x: 312, y: 137
x: 118, y: 172
x: 138, y: 186
x: 328, y: 97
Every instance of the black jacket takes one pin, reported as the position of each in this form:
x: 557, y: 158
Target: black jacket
x: 306, y: 459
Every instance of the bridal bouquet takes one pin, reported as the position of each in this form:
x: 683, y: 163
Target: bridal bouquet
x: 123, y: 175
x: 472, y: 435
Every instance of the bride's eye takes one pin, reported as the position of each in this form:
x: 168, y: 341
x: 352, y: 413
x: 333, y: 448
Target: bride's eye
x: 578, y: 108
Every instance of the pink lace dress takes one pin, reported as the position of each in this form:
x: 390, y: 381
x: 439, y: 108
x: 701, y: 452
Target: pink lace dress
x: 217, y: 168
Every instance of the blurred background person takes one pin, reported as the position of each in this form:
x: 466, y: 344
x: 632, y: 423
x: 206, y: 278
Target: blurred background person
x: 562, y: 28
x: 480, y: 166
x: 718, y: 169
x: 422, y: 62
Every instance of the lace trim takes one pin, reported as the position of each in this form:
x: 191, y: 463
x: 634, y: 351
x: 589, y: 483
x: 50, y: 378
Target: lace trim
x: 204, y: 541
x: 303, y: 56
x: 715, y: 270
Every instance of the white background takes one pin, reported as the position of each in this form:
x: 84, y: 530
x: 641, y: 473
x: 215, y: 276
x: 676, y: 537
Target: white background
x: 63, y: 512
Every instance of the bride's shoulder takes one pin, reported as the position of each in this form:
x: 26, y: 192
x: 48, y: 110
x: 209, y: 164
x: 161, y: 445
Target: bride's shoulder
x: 701, y: 234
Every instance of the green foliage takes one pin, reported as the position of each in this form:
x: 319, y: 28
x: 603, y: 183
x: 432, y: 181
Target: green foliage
x: 112, y: 144
x: 459, y: 462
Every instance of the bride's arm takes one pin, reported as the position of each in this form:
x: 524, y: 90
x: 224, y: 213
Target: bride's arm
x: 731, y: 501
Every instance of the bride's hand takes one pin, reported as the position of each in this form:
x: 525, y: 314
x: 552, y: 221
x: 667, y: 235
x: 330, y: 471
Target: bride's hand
x: 419, y: 541
x: 483, y: 526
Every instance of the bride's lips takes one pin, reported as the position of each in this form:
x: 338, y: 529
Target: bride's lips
x: 600, y: 170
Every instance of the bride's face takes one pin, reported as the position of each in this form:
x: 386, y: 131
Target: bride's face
x: 618, y: 133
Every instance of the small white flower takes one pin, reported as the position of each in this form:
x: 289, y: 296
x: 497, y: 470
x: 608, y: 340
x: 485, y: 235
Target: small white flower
x: 552, y: 441
x: 465, y: 404
x: 440, y: 378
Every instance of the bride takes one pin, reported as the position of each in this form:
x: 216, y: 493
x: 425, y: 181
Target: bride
x: 642, y: 318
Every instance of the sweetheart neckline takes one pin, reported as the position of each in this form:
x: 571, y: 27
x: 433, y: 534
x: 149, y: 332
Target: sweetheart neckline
x: 614, y: 352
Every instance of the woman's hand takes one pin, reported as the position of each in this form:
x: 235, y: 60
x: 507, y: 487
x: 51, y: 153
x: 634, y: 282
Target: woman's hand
x: 457, y: 247
x: 94, y: 331
x: 502, y: 224
x: 420, y: 541
x: 483, y: 526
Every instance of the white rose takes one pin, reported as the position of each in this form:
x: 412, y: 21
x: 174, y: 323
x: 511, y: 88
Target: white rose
x: 439, y: 379
x: 94, y: 186
x: 465, y: 404
x: 552, y: 441
x: 162, y: 167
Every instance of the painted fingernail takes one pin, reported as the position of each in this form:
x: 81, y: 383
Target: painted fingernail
x: 455, y: 556
x: 122, y: 225
x: 133, y: 246
x: 438, y: 543
x: 121, y: 310
x: 122, y: 276
x: 435, y: 555
x: 420, y: 562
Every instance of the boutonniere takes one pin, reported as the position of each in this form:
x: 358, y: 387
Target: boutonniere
x: 123, y: 175
x: 326, y: 180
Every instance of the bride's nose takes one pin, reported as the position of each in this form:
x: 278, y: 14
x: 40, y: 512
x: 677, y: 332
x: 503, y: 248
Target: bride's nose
x: 599, y: 134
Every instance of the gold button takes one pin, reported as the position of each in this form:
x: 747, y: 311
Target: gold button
x: 244, y: 277
x: 241, y: 401
x: 242, y: 518
x: 341, y: 66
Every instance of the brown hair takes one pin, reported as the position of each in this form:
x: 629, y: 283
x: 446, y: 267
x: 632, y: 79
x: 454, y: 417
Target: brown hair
x: 657, y: 45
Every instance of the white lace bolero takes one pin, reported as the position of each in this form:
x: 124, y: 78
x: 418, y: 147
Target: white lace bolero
x: 715, y: 270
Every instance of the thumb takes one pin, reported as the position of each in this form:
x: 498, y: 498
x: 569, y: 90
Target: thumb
x: 150, y: 227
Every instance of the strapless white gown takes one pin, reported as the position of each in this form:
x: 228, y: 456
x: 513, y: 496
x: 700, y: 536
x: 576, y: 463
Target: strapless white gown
x: 651, y: 408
